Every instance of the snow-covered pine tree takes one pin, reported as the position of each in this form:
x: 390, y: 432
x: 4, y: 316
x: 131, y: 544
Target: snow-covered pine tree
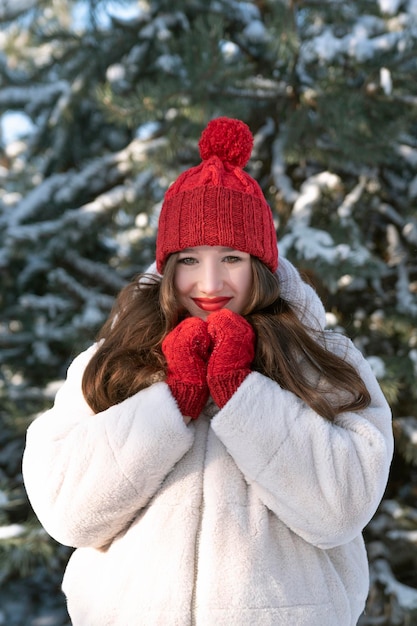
x: 117, y: 94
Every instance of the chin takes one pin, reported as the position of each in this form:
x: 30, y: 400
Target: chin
x: 203, y: 315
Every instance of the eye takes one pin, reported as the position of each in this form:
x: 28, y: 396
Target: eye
x: 187, y: 260
x: 232, y: 259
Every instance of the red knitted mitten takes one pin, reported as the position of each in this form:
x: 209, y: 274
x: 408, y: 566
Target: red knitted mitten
x: 233, y: 340
x: 186, y: 349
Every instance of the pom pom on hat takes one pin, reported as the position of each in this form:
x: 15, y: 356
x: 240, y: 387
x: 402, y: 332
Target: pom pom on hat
x: 228, y: 139
x: 217, y: 203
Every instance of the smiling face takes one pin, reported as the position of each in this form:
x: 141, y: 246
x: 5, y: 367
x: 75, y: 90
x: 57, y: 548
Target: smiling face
x: 209, y: 278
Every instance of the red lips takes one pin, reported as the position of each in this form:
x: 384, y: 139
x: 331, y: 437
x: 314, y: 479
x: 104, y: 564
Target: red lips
x: 211, y: 304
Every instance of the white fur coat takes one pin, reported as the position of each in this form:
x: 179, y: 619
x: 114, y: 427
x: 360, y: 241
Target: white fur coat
x: 248, y: 516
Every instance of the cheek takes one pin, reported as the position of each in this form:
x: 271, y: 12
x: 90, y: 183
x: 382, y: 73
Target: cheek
x: 246, y: 294
x: 246, y: 284
x: 181, y: 294
x: 180, y: 282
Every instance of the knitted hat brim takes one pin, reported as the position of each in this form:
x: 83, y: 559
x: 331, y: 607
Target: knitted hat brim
x: 216, y: 216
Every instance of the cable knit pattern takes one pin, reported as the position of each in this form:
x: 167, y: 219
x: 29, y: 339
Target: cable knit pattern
x: 186, y: 349
x: 233, y: 352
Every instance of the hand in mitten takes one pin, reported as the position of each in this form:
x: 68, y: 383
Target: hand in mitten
x: 186, y: 349
x: 233, y: 340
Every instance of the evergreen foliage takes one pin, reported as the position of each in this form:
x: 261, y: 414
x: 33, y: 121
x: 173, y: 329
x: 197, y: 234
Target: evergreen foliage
x: 116, y: 102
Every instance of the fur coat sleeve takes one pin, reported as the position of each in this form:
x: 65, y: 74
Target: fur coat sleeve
x: 88, y: 475
x: 323, y: 480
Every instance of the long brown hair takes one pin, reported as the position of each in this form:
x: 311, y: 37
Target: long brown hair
x: 300, y: 358
x: 129, y: 356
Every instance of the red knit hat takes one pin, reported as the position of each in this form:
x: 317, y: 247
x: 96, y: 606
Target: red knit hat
x: 216, y: 203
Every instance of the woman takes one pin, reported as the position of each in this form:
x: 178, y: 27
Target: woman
x: 216, y: 454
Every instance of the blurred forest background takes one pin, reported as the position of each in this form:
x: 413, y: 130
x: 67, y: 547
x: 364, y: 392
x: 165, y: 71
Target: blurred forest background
x: 101, y: 106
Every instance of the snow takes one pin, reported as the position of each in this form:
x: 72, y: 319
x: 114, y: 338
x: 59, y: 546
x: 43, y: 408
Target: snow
x: 255, y: 32
x: 390, y: 7
x: 358, y: 44
x: 121, y: 10
x: 11, y: 531
x: 368, y: 37
x: 412, y: 8
x: 345, y: 208
x: 331, y: 319
x: 278, y: 170
x: 141, y: 220
x: 310, y: 193
x: 32, y: 98
x: 159, y: 28
x: 408, y: 153
x: 169, y: 63
x: 406, y: 596
x: 385, y: 79
x: 10, y: 9
x: 406, y: 301
x: 245, y: 11
x: 148, y: 130
x: 229, y: 50
x: 49, y: 303
x: 36, y: 198
x: 116, y: 73
x: 377, y: 365
x: 313, y: 244
x: 14, y: 125
x: 413, y: 356
x: 4, y: 499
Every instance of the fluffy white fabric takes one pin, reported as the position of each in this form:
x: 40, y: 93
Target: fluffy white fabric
x: 252, y: 515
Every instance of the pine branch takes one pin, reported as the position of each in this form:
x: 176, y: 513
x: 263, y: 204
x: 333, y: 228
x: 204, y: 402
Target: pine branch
x: 405, y: 429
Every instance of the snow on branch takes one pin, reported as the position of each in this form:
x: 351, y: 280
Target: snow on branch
x: 406, y: 301
x: 361, y: 43
x: 36, y: 199
x: 72, y: 221
x: 49, y: 303
x: 11, y: 9
x: 83, y: 294
x: 100, y: 273
x: 405, y: 596
x: 254, y: 89
x: 407, y: 99
x: 351, y: 199
x: 312, y: 243
x: 282, y: 182
x: 63, y: 188
x: 311, y: 192
x: 405, y: 429
x: 33, y: 97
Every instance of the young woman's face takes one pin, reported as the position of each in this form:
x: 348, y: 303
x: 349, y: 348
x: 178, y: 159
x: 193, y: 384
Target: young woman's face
x: 209, y: 278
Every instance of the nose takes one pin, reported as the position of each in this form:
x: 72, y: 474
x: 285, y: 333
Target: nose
x: 211, y: 281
